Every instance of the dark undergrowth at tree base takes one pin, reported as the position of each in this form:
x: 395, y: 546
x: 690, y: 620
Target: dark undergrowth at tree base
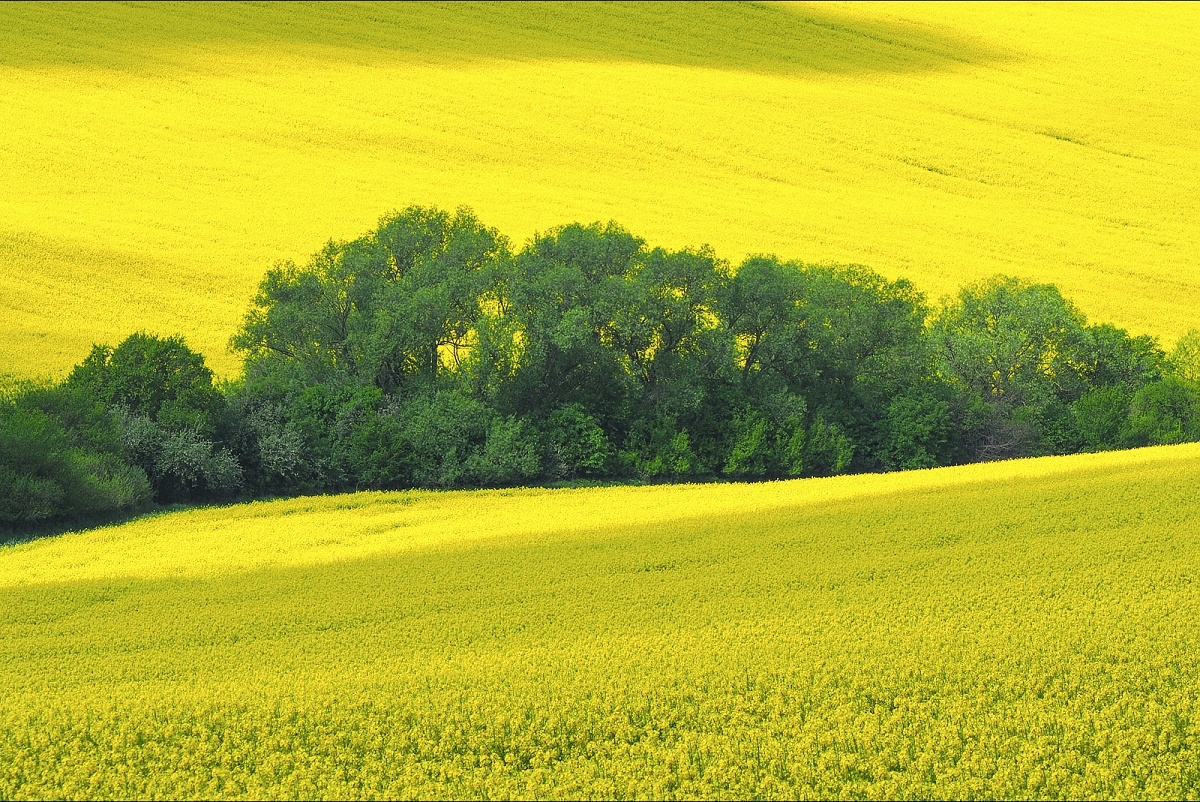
x: 429, y: 354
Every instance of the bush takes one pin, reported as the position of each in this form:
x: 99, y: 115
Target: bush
x: 381, y: 456
x: 770, y: 442
x: 508, y: 455
x: 657, y: 450
x: 577, y: 445
x: 441, y: 433
x: 828, y: 450
x: 46, y: 477
x: 279, y: 449
x: 30, y: 499
x: 158, y: 378
x: 918, y: 433
x: 1164, y: 413
x: 1100, y: 418
x: 182, y: 464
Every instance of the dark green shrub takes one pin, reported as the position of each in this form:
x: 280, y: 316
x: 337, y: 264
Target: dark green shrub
x: 1165, y: 412
x: 46, y: 477
x: 578, y: 447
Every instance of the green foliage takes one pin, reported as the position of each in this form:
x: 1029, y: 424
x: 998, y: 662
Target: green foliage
x: 46, y: 475
x: 827, y: 450
x: 395, y: 309
x: 658, y: 450
x: 181, y: 462
x: 844, y: 339
x: 1111, y: 358
x: 1100, y: 418
x: 769, y: 442
x: 158, y: 378
x: 1185, y: 359
x: 578, y: 446
x: 439, y: 441
x: 919, y: 433
x: 269, y: 445
x: 1040, y: 380
x: 1008, y: 341
x: 167, y: 412
x: 34, y: 466
x: 427, y: 354
x: 1165, y: 412
x: 442, y: 434
x: 564, y: 292
x: 508, y: 456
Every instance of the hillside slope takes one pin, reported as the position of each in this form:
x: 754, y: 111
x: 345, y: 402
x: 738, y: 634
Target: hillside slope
x: 160, y: 158
x: 1021, y: 629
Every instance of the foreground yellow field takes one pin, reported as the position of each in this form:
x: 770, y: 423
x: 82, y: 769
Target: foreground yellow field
x: 156, y: 160
x: 1021, y: 629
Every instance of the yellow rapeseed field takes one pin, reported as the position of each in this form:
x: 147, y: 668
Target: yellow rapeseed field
x: 1018, y: 629
x: 156, y: 159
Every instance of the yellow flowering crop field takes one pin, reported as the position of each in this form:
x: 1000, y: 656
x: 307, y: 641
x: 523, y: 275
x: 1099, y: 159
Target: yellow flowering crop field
x: 155, y: 160
x: 1015, y: 629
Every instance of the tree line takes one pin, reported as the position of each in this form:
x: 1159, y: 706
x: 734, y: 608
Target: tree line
x: 430, y: 353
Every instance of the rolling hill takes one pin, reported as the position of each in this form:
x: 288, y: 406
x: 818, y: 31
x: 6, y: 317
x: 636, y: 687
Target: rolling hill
x: 1010, y: 629
x: 159, y: 158
x: 1017, y: 629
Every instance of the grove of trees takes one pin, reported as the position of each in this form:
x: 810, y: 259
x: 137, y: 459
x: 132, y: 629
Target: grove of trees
x: 429, y: 353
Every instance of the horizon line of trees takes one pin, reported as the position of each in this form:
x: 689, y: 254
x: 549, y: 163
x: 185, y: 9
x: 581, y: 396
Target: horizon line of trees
x: 430, y: 353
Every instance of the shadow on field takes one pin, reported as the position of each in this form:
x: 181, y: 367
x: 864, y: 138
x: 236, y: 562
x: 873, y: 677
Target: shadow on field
x: 766, y: 39
x: 11, y: 535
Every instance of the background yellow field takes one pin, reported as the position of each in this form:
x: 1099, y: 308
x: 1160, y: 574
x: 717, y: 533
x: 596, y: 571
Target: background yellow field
x: 1022, y: 629
x: 154, y: 161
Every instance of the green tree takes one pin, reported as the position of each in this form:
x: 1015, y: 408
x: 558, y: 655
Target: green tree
x: 1109, y: 357
x: 396, y: 309
x: 842, y: 338
x: 561, y: 295
x: 1164, y: 413
x: 1185, y: 358
x: 155, y: 377
x: 168, y: 409
x: 46, y: 475
x: 1020, y: 349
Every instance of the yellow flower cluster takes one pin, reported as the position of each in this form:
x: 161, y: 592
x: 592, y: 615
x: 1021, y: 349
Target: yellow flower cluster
x: 1017, y: 629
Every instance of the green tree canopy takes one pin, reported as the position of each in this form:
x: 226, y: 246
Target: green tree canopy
x: 397, y: 306
x: 1010, y: 341
x: 155, y: 377
x: 1185, y: 358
